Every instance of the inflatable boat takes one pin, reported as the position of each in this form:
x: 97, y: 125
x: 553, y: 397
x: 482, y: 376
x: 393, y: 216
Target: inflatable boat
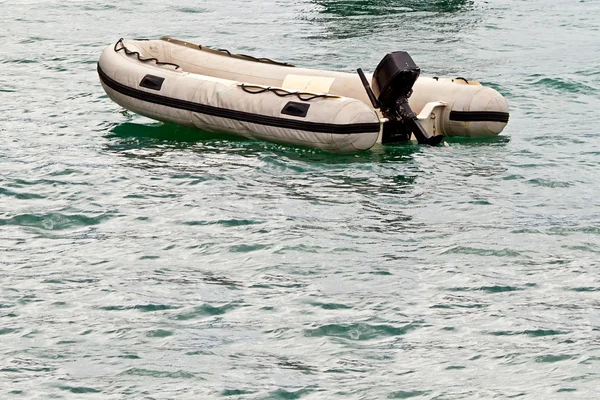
x: 215, y: 90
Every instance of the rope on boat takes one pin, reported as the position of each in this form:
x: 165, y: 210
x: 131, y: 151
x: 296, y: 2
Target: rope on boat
x: 266, y: 60
x: 227, y: 52
x: 139, y: 57
x: 304, y: 96
x: 251, y: 58
x: 457, y: 78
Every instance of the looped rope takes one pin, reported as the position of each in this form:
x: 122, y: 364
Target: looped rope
x: 304, y: 96
x: 224, y: 51
x: 266, y: 60
x: 139, y: 57
x: 227, y: 52
x: 251, y: 58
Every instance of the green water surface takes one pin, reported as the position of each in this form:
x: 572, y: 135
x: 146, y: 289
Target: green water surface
x: 143, y: 260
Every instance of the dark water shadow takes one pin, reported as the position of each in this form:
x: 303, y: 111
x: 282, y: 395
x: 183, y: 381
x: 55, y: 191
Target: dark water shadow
x: 343, y: 19
x: 489, y: 141
x: 348, y: 8
x: 378, y: 154
x: 131, y: 135
x: 297, y: 173
x: 156, y: 139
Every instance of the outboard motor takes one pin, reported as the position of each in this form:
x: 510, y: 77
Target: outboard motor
x: 393, y: 81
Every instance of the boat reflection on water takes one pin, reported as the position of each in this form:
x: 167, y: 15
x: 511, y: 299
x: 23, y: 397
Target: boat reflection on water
x: 158, y: 133
x: 154, y: 140
x: 279, y: 174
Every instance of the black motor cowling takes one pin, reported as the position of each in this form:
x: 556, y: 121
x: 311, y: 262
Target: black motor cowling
x: 392, y: 82
x: 394, y: 78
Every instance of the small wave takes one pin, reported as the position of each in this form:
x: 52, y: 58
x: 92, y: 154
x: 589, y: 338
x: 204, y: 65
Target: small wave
x: 489, y: 289
x: 282, y: 394
x: 159, y: 374
x: 235, y: 392
x: 99, y: 7
x: 224, y: 222
x: 159, y: 333
x: 564, y: 390
x: 6, y: 331
x: 565, y: 231
x: 56, y: 281
x: 359, y: 331
x: 190, y: 10
x: 247, y: 248
x: 19, y: 61
x: 296, y: 365
x: 451, y: 306
x: 53, y: 221
x: 141, y: 307
x: 483, y: 252
x: 588, y: 72
x: 45, y: 182
x: 79, y: 389
x: 330, y: 306
x: 565, y: 85
x: 587, y: 247
x: 128, y: 356
x: 408, y: 395
x: 20, y: 195
x: 586, y: 289
x: 533, y: 333
x: 549, y: 183
x: 206, y: 310
x: 221, y: 281
x: 590, y: 360
x: 551, y: 358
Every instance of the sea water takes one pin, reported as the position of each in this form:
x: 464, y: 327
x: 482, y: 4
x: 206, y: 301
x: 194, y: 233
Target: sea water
x: 144, y: 260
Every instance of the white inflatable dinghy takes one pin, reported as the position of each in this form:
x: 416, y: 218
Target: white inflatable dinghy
x: 215, y: 90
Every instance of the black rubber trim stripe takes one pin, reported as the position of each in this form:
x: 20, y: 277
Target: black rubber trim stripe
x: 236, y: 115
x: 471, y: 116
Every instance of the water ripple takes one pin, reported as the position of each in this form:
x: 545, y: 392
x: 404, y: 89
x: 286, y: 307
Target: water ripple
x: 142, y: 259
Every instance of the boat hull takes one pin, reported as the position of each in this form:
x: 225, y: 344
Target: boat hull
x: 335, y: 124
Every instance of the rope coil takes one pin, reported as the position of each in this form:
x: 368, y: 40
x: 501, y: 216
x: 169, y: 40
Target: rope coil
x: 304, y: 96
x: 265, y: 60
x: 139, y: 57
x: 251, y: 58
